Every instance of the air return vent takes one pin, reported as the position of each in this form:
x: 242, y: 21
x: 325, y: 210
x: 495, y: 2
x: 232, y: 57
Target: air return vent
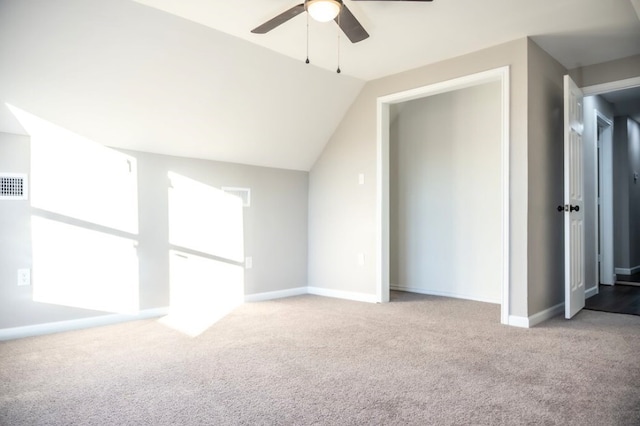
x: 13, y: 186
x: 243, y: 193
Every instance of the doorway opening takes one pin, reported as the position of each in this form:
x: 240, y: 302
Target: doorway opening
x: 610, y: 100
x: 385, y: 105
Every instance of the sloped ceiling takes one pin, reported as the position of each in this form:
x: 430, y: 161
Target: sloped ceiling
x: 130, y: 76
x: 189, y: 78
x: 409, y: 34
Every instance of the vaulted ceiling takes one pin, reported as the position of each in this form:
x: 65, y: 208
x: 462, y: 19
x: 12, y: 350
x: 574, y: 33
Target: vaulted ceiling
x: 189, y: 78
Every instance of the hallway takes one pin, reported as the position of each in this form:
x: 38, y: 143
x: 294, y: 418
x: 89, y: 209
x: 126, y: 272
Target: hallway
x: 619, y: 298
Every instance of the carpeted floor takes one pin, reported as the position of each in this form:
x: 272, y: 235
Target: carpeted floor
x: 309, y: 360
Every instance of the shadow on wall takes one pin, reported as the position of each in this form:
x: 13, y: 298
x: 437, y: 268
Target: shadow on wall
x: 84, y: 230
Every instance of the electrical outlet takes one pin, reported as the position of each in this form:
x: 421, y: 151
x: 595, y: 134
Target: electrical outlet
x: 248, y: 262
x: 24, y: 277
x: 360, y: 259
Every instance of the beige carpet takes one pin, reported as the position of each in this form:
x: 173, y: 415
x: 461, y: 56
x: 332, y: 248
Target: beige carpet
x: 307, y: 360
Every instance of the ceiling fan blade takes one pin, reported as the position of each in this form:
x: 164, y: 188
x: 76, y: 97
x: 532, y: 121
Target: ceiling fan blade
x: 350, y: 25
x: 279, y: 20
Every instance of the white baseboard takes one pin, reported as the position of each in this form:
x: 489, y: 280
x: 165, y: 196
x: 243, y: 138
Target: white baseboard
x: 517, y: 321
x: 77, y: 324
x: 443, y: 294
x: 590, y: 292
x: 348, y: 295
x: 535, y: 319
x: 628, y: 271
x: 279, y: 294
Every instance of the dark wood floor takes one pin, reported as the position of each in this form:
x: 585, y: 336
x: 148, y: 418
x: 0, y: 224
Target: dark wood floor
x: 619, y: 299
x: 635, y: 278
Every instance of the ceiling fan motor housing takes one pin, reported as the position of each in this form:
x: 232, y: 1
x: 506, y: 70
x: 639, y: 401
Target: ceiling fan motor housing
x: 328, y: 10
x: 323, y: 10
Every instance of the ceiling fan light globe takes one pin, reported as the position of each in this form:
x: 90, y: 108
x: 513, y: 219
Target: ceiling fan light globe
x: 323, y: 10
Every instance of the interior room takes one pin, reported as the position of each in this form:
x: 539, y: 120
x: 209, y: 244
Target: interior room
x: 248, y: 213
x: 445, y: 194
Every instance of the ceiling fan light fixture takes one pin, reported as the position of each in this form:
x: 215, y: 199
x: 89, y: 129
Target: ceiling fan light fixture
x: 323, y: 10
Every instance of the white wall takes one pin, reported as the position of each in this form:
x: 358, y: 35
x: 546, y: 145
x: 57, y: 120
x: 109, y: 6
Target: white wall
x: 274, y: 234
x: 445, y: 203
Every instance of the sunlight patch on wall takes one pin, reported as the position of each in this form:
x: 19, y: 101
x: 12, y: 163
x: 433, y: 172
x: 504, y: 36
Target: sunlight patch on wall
x: 84, y: 222
x: 207, y: 283
x: 203, y: 291
x: 205, y: 219
x: 79, y: 178
x: 83, y: 268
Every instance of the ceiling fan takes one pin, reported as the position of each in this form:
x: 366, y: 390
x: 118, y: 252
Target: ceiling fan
x: 324, y: 11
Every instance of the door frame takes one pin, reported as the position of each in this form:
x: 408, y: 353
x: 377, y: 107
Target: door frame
x: 382, y: 185
x: 604, y: 225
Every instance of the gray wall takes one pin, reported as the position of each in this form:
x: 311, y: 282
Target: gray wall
x: 606, y: 72
x: 275, y: 230
x: 445, y: 194
x: 626, y: 193
x: 545, y: 177
x: 342, y: 214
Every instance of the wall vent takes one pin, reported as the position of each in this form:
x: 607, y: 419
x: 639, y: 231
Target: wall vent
x: 243, y: 193
x: 13, y: 186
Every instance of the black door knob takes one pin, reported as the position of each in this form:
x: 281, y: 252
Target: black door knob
x: 568, y: 208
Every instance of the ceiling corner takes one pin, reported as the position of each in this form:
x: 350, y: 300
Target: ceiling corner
x: 636, y: 6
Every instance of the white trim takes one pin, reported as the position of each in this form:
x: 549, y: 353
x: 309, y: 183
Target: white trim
x: 444, y: 294
x: 549, y: 313
x: 505, y: 175
x: 628, y: 271
x: 382, y: 206
x: 604, y: 225
x: 536, y: 319
x: 77, y: 324
x: 590, y: 292
x: 279, y: 294
x: 517, y: 321
x: 598, y: 89
x: 382, y: 192
x: 339, y: 294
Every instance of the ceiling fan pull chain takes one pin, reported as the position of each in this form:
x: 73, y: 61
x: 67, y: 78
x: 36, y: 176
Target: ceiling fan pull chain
x: 307, y: 61
x: 338, y: 70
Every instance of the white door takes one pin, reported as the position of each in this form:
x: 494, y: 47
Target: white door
x: 573, y: 200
